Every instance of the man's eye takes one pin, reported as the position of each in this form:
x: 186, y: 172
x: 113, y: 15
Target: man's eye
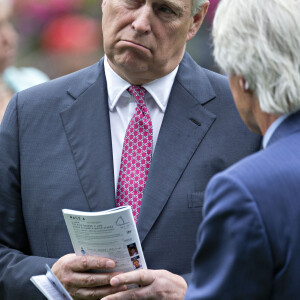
x: 166, y: 10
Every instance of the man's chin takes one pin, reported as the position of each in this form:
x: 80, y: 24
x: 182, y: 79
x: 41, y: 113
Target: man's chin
x: 132, y: 68
x: 132, y: 63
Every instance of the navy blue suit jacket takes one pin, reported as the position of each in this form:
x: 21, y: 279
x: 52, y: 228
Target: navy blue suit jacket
x: 249, y: 242
x: 56, y: 153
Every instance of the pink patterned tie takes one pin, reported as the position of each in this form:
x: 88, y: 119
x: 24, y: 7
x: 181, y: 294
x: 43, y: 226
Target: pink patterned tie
x: 136, y: 155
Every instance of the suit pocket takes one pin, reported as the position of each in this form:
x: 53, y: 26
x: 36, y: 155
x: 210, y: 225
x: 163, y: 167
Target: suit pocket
x: 195, y: 199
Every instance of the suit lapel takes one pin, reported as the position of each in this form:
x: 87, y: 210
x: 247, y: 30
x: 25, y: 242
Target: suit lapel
x: 87, y: 128
x: 184, y: 126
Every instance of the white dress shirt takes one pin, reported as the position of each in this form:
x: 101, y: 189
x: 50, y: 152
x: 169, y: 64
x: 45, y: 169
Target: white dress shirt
x: 122, y: 108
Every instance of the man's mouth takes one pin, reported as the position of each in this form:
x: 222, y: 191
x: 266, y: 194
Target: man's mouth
x: 136, y: 45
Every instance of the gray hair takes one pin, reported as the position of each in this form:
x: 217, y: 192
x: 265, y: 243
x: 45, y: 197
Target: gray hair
x: 260, y: 40
x: 197, y: 5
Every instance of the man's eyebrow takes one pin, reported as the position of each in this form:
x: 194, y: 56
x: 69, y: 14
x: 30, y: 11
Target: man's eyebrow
x: 174, y: 5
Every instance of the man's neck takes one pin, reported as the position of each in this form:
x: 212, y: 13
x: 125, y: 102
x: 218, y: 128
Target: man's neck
x: 265, y: 121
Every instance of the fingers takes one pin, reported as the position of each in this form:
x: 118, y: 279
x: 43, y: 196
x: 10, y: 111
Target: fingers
x: 95, y: 293
x: 138, y: 293
x: 72, y: 262
x: 89, y: 280
x: 86, y: 277
x: 92, y: 286
x: 85, y: 263
x: 154, y: 285
x: 141, y: 277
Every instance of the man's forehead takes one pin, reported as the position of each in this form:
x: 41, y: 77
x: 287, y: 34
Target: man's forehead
x: 183, y: 4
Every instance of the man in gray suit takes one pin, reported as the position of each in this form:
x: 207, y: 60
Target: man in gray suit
x: 61, y: 147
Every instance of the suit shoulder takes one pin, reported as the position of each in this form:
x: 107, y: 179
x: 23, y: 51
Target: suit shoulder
x: 57, y: 88
x: 218, y: 81
x: 203, y: 84
x: 275, y: 165
x: 248, y: 167
x: 189, y: 67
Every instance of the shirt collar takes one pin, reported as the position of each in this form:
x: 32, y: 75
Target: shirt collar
x: 270, y: 131
x: 116, y: 85
x: 159, y: 89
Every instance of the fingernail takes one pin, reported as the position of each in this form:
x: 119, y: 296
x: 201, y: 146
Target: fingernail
x: 110, y: 264
x: 114, y: 281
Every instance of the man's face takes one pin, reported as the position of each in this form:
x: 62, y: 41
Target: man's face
x: 132, y: 251
x: 145, y: 39
x: 136, y: 263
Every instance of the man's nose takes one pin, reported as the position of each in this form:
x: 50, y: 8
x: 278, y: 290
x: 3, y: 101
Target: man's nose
x: 142, y: 21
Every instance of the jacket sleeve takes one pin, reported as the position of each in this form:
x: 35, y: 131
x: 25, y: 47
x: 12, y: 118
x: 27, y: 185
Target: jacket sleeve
x: 233, y: 257
x: 16, y: 263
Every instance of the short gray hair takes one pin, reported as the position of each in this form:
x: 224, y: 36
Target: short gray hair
x: 196, y: 5
x: 260, y: 40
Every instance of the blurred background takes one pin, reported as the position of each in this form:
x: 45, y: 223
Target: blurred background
x: 62, y: 36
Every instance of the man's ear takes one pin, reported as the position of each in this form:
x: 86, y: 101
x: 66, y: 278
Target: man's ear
x: 244, y: 86
x: 197, y: 21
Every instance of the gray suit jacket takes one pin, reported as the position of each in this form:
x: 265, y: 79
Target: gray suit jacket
x: 56, y: 153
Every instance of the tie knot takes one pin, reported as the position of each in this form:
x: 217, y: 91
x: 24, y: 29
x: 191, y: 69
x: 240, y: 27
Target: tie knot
x: 138, y: 93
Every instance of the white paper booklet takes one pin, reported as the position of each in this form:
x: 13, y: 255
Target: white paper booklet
x: 50, y: 286
x: 111, y: 233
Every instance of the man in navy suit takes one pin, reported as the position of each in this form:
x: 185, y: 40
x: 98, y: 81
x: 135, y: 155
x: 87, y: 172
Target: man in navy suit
x: 248, y: 244
x: 61, y: 146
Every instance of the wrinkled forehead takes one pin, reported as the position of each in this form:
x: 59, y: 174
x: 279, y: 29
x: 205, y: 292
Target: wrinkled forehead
x: 184, y: 4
